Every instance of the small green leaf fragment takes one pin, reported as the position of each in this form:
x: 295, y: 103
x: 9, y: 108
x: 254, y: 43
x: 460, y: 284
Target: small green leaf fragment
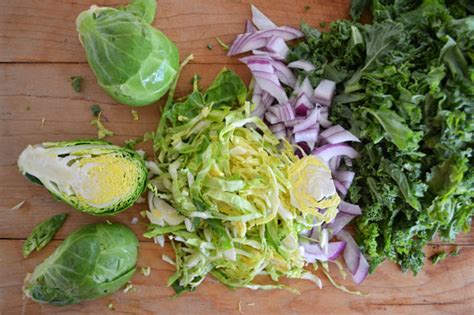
x: 209, y: 46
x: 43, y: 233
x: 102, y: 131
x: 307, y: 8
x: 436, y: 258
x: 455, y: 252
x: 222, y: 44
x: 76, y: 83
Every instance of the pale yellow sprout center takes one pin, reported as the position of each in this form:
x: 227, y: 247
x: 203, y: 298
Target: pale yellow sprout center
x: 106, y: 179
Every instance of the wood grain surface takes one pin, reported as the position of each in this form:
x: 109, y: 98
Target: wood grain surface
x: 39, y: 51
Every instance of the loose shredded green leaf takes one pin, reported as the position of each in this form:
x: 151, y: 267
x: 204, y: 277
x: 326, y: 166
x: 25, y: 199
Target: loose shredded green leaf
x: 43, y: 233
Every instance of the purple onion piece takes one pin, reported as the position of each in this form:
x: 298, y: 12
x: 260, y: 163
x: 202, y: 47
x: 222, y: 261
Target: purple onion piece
x: 324, y: 92
x: 302, y: 64
x: 261, y: 21
x: 326, y: 152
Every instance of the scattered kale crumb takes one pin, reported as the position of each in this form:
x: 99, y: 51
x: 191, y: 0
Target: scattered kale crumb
x: 455, y: 252
x: 436, y: 258
x: 307, y: 8
x: 95, y: 109
x: 76, y: 82
x: 209, y: 46
x: 322, y: 24
x: 222, y: 44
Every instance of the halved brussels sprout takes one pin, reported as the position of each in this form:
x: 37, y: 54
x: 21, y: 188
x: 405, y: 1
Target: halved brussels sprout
x: 134, y: 62
x: 92, y: 262
x: 93, y: 176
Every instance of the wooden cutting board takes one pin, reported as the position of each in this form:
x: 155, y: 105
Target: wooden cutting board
x: 39, y: 51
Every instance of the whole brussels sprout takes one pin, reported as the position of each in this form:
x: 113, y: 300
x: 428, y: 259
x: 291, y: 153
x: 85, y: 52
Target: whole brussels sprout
x: 134, y: 62
x: 93, y: 176
x: 92, y: 262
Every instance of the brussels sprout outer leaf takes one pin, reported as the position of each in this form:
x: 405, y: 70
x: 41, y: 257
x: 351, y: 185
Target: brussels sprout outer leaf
x: 144, y: 9
x: 92, y: 262
x: 43, y: 233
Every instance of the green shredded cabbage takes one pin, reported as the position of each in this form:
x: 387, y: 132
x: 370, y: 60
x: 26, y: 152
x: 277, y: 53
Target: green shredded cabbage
x: 223, y: 193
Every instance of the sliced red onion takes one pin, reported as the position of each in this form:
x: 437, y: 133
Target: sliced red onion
x: 362, y: 270
x: 334, y: 163
x: 267, y: 99
x: 267, y: 82
x: 310, y: 122
x: 324, y: 92
x: 326, y: 152
x: 271, y: 118
x: 349, y: 208
x: 314, y: 252
x: 302, y: 64
x: 283, y: 112
x: 340, y: 188
x: 342, y: 136
x: 351, y: 252
x: 303, y: 105
x: 279, y: 48
x: 264, y: 74
x: 308, y: 135
x: 270, y: 54
x: 345, y: 177
x: 259, y: 110
x: 257, y: 94
x: 259, y: 63
x: 323, y: 120
x: 284, y: 74
x: 249, y: 27
x: 305, y: 87
x: 278, y: 127
x: 261, y: 21
x: 293, y: 122
x: 250, y: 41
x: 332, y: 130
x: 341, y: 220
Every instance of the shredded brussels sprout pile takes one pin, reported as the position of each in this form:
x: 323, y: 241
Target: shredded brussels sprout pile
x: 227, y: 193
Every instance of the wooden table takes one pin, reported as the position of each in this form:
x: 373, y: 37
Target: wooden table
x: 39, y: 51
